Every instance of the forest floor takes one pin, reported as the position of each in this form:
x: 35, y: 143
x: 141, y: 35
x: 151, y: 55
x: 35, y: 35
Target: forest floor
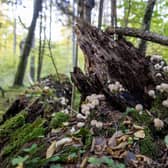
x: 39, y: 130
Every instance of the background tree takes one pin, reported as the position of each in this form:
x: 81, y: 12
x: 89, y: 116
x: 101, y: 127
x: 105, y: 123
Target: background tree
x: 100, y: 13
x: 147, y: 23
x: 28, y: 43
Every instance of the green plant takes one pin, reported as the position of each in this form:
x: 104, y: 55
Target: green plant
x: 59, y: 119
x: 13, y: 123
x: 105, y: 160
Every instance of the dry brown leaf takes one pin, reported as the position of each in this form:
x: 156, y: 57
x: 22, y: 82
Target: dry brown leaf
x: 118, y: 154
x: 143, y: 158
x: 122, y: 145
x: 122, y: 138
x: 112, y: 141
x: 140, y: 134
x: 137, y: 127
x: 20, y: 165
x: 51, y: 149
x: 84, y: 162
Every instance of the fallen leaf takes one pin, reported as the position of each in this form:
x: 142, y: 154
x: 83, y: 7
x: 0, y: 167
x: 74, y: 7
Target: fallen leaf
x: 51, y: 149
x: 137, y: 127
x: 143, y: 158
x: 120, y: 146
x: 20, y: 165
x: 112, y: 141
x: 122, y: 138
x: 140, y: 134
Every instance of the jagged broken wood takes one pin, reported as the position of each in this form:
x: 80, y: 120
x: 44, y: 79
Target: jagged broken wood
x: 110, y: 61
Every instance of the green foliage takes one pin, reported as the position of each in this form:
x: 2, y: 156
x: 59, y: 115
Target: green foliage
x: 157, y: 108
x: 56, y: 166
x: 147, y: 145
x: 105, y: 160
x: 13, y: 123
x: 31, y: 149
x: 19, y: 160
x: 141, y: 118
x: 59, y: 119
x: 25, y: 134
x: 86, y: 137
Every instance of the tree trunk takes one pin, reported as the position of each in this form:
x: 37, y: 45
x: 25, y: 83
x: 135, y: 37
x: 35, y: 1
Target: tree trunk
x: 145, y: 35
x: 100, y: 14
x: 113, y: 13
x: 32, y: 68
x: 110, y: 61
x: 40, y: 56
x: 27, y: 47
x: 146, y: 23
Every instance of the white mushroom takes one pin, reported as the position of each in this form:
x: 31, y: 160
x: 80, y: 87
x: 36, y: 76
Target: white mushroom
x: 99, y: 124
x: 165, y: 68
x: 72, y: 130
x: 157, y: 66
x: 165, y: 103
x: 159, y: 124
x: 95, y: 102
x: 93, y: 122
x: 80, y: 124
x: 151, y: 93
x: 155, y: 58
x: 80, y: 116
x: 158, y: 75
x: 139, y: 107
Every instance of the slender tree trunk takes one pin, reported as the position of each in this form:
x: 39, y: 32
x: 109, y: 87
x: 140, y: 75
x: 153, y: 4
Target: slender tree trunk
x: 14, y: 29
x: 127, y: 13
x: 27, y: 48
x: 146, y: 23
x: 32, y: 68
x: 40, y: 51
x: 100, y: 13
x: 113, y: 13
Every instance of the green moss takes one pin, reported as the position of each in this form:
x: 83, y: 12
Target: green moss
x: 147, y: 145
x: 13, y: 123
x: 25, y: 134
x: 58, y: 119
x: 142, y: 118
x: 157, y: 108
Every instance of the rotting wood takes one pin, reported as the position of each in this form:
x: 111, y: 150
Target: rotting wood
x: 110, y: 61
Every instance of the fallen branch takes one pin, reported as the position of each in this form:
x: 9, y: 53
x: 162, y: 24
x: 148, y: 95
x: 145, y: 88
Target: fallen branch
x: 145, y: 35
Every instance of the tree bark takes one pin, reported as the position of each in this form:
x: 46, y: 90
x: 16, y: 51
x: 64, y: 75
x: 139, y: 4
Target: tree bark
x: 113, y: 13
x: 146, y: 23
x: 100, y: 14
x: 145, y: 35
x: 40, y: 56
x: 110, y: 61
x: 28, y: 44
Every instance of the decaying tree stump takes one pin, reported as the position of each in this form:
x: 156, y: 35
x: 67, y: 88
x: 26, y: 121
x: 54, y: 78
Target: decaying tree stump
x: 109, y: 61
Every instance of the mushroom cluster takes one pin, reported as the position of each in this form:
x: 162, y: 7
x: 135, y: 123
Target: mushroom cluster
x: 91, y: 103
x: 157, y: 61
x: 163, y: 87
x: 159, y: 64
x: 116, y: 87
x: 97, y: 124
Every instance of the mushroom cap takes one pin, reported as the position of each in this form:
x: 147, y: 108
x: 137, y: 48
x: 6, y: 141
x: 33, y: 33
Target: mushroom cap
x: 158, y: 123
